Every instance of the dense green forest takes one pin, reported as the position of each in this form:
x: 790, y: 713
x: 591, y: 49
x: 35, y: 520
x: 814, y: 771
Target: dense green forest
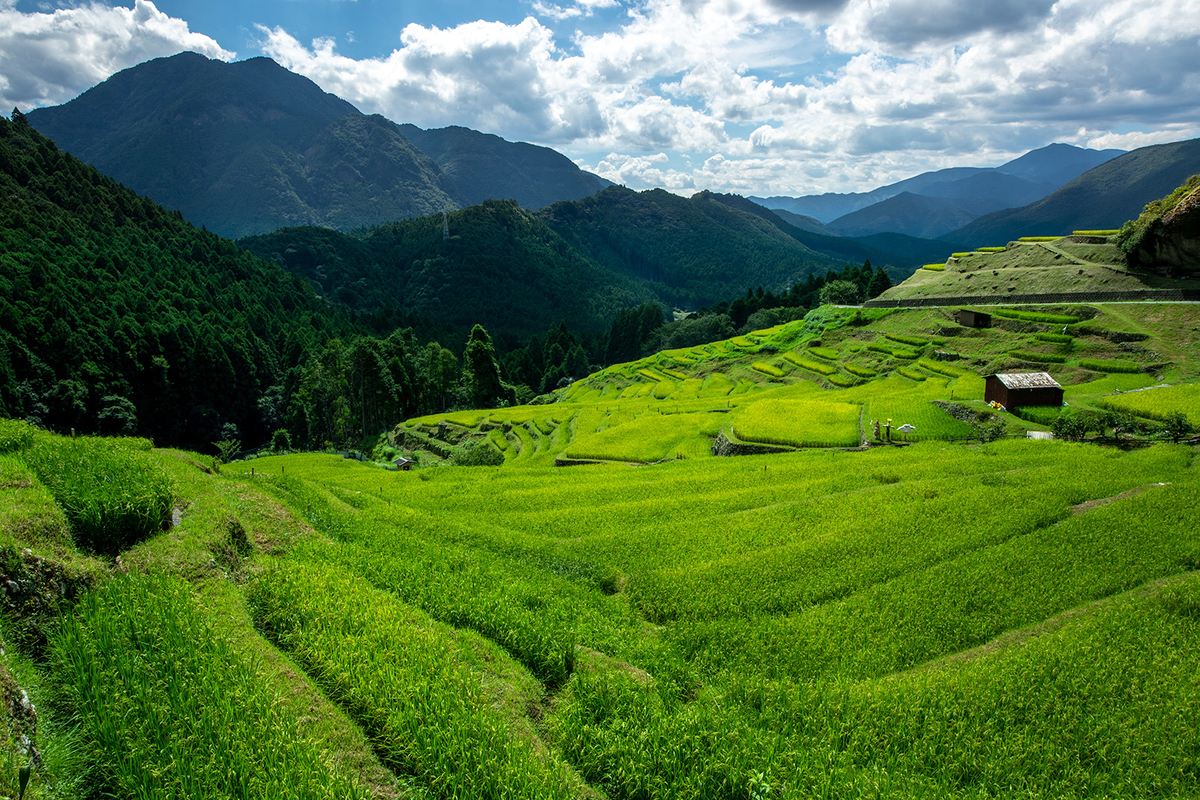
x: 118, y: 317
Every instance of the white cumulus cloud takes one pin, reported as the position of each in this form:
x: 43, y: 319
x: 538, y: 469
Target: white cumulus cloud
x: 50, y: 57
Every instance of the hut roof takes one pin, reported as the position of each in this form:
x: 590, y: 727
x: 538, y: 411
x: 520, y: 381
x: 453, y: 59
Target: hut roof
x: 1028, y: 380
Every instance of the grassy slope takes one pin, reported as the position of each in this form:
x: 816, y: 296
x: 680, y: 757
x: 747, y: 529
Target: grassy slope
x: 813, y: 622
x: 672, y: 405
x: 1062, y: 266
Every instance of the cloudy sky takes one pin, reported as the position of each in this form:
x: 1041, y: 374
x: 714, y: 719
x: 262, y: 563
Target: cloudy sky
x: 758, y: 97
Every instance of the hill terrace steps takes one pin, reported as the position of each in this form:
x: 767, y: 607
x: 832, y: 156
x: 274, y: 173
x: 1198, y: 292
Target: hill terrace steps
x: 1150, y: 295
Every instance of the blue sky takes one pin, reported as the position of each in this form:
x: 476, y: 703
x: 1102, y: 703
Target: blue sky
x: 759, y: 97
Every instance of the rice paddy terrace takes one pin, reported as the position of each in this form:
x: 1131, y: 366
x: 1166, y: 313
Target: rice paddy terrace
x: 822, y: 381
x: 943, y: 619
x: 1085, y: 263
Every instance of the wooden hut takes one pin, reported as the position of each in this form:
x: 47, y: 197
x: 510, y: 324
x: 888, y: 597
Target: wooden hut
x: 973, y: 319
x: 403, y: 464
x: 1016, y: 389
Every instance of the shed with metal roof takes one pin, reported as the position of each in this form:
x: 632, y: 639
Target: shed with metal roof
x: 1016, y: 389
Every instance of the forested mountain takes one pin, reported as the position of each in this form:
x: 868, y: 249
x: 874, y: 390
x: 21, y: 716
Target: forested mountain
x: 689, y: 251
x: 951, y: 195
x: 116, y: 314
x: 250, y: 147
x: 244, y: 147
x: 1104, y: 197
x: 498, y: 265
x: 481, y: 166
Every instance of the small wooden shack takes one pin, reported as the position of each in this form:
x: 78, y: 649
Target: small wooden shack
x: 1016, y: 389
x: 973, y: 319
x: 403, y: 464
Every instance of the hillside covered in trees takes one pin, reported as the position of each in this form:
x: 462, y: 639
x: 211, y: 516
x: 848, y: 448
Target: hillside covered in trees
x: 118, y: 317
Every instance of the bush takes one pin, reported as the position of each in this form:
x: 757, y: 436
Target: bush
x: 281, y: 441
x: 113, y: 496
x: 15, y: 434
x: 479, y: 453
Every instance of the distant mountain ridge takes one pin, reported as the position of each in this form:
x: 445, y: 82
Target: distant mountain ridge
x: 249, y: 147
x: 935, y: 203
x: 1104, y: 197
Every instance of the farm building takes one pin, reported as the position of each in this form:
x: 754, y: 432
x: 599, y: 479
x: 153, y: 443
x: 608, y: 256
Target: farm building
x: 1016, y: 389
x: 973, y: 319
x: 403, y: 464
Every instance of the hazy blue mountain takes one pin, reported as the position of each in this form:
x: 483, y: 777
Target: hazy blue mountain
x: 1020, y: 181
x: 804, y: 223
x: 250, y: 147
x: 481, y: 166
x: 1103, y: 197
x: 908, y: 213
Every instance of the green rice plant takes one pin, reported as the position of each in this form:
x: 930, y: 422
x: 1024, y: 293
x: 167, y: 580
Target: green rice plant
x: 651, y: 374
x: 498, y: 438
x: 828, y: 353
x: 767, y: 369
x: 860, y: 370
x: 841, y: 380
x: 1061, y: 338
x: 743, y: 342
x: 896, y: 352
x: 1095, y: 233
x: 799, y: 423
x: 1037, y: 239
x: 913, y: 341
x: 716, y: 385
x: 912, y: 374
x: 934, y: 267
x: 15, y: 434
x: 1035, y: 316
x: 1041, y: 415
x: 961, y: 255
x: 664, y: 389
x: 1109, y: 365
x: 649, y: 438
x: 1038, y: 358
x: 113, y: 496
x: 1159, y: 403
x: 945, y: 368
x: 990, y: 249
x: 674, y: 373
x: 169, y: 708
x: 808, y: 364
x: 408, y: 682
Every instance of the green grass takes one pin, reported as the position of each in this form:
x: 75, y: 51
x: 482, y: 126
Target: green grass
x: 860, y: 370
x: 114, y: 495
x: 809, y: 364
x: 15, y: 434
x: 1109, y: 365
x: 798, y: 423
x: 1038, y: 358
x: 1036, y: 316
x: 420, y: 694
x: 767, y: 369
x: 168, y: 708
x: 1061, y: 338
x: 1159, y: 403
